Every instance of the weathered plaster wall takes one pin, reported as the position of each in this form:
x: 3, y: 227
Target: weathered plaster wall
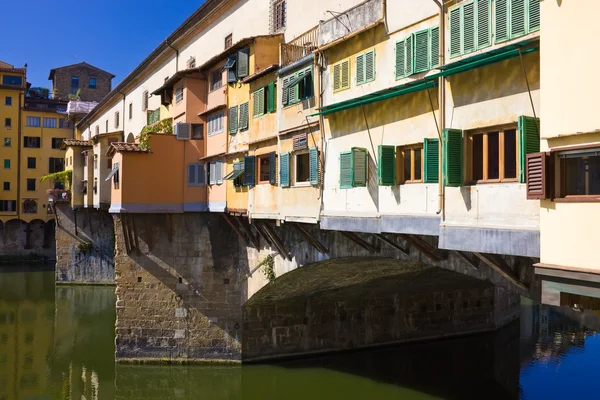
x: 15, y: 246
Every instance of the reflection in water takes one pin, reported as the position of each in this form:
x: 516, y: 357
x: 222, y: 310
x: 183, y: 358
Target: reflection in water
x: 58, y: 343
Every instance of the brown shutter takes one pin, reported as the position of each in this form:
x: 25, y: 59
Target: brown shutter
x: 300, y: 142
x: 539, y: 176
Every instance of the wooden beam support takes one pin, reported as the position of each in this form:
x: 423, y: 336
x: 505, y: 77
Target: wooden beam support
x: 278, y: 243
x: 234, y: 225
x: 263, y: 234
x: 310, y: 239
x: 246, y: 228
x: 125, y: 229
x: 390, y: 242
x: 468, y: 259
x: 359, y: 241
x: 422, y: 246
x: 500, y: 266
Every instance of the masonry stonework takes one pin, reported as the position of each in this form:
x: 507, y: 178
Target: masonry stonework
x: 26, y: 242
x: 62, y: 82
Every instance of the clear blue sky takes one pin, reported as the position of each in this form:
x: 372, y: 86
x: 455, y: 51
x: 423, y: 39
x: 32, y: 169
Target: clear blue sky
x: 114, y: 35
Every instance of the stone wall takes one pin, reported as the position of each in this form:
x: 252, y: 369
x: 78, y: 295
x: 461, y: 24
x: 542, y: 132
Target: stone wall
x: 15, y: 245
x: 179, y: 287
x: 62, y: 82
x: 84, y: 246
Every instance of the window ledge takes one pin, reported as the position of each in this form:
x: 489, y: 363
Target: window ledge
x: 578, y: 199
x: 302, y: 184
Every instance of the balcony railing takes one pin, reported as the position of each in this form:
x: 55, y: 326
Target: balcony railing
x: 58, y: 195
x: 300, y: 47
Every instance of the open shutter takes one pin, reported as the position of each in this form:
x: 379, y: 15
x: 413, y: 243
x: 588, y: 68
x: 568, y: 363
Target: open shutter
x: 400, y: 60
x: 293, y: 91
x: 468, y: 24
x: 231, y: 72
x: 346, y: 171
x: 370, y: 66
x: 345, y: 75
x: 284, y: 170
x: 421, y: 51
x: 501, y: 20
x: 337, y: 77
x: 233, y: 119
x: 243, y: 116
x: 307, y: 82
x: 539, y: 176
x: 452, y: 157
x: 534, y: 15
x: 258, y: 102
x: 434, y: 48
x: 386, y: 169
x: 271, y: 97
x: 431, y: 148
x: 273, y: 168
x: 201, y: 175
x: 242, y: 63
x: 484, y: 23
x: 360, y: 69
x: 219, y: 172
x: 286, y: 91
x: 408, y: 55
x: 359, y: 167
x: 314, y: 165
x: 249, y: 170
x: 455, y: 31
x: 529, y: 141
x: 517, y: 17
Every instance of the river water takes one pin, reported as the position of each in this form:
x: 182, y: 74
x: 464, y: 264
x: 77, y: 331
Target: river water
x: 58, y: 343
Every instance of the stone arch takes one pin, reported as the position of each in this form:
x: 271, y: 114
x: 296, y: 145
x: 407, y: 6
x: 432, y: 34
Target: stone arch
x: 130, y: 138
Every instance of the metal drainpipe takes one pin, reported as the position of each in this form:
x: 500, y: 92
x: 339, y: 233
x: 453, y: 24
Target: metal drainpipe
x: 176, y: 56
x: 442, y: 109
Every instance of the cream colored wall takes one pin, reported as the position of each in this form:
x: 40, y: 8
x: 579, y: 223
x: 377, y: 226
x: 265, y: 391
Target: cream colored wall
x: 403, y: 13
x: 263, y: 198
x: 88, y: 174
x: 237, y: 198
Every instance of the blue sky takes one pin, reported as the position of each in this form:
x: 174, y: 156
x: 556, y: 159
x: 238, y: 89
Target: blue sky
x: 115, y: 35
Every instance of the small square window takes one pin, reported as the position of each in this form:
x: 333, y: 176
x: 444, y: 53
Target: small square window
x: 198, y: 131
x: 92, y: 83
x: 279, y: 15
x: 8, y: 101
x: 7, y: 142
x: 7, y: 122
x: 216, y: 79
x: 228, y: 41
x: 31, y: 184
x: 6, y: 185
x: 31, y: 162
x: 74, y: 81
x: 7, y: 164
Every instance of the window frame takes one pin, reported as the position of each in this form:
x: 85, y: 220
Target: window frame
x: 400, y: 163
x: 130, y: 110
x: 74, y: 81
x: 267, y: 157
x: 213, y: 75
x: 7, y: 142
x: 6, y: 186
x: 228, y: 41
x: 57, y: 143
x: 364, y: 55
x: 179, y: 94
x: 468, y: 146
x: 28, y: 139
x: 29, y: 181
x: 215, y: 117
x: 31, y: 161
x: 8, y: 101
x: 8, y: 122
x: 295, y: 154
x: 90, y: 82
x: 340, y: 64
x: 33, y: 122
x: 279, y: 15
x: 50, y: 124
x: 117, y: 120
x: 559, y: 195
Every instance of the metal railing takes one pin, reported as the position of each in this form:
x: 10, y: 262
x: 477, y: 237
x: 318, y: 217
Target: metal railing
x: 300, y: 47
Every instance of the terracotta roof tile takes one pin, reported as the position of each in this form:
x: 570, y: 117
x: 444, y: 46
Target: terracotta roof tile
x: 122, y: 147
x: 75, y: 143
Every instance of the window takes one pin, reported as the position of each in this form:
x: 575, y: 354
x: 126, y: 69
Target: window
x: 302, y: 168
x: 92, y: 83
x: 191, y: 62
x: 8, y: 101
x: 232, y: 119
x: 8, y: 205
x: 266, y: 168
x: 12, y: 80
x: 7, y: 164
x: 34, y: 122
x: 196, y: 175
x: 215, y: 173
x: 198, y: 131
x: 32, y: 142
x: 279, y: 15
x: 580, y: 172
x: 64, y: 123
x: 365, y: 67
x: 231, y: 69
x: 418, y: 52
x: 74, y: 81
x: 7, y: 142
x: 341, y: 76
x: 97, y: 130
x: 216, y: 80
x: 237, y: 175
x: 296, y: 87
x: 228, y: 41
x: 264, y: 100
x: 410, y: 163
x: 130, y: 110
x: 7, y: 122
x: 492, y: 156
x: 215, y: 124
x: 117, y: 117
x: 30, y: 206
x: 56, y: 164
x: 145, y: 101
x: 353, y: 168
x: 7, y: 186
x: 31, y: 184
x: 31, y: 162
x: 49, y: 122
x: 179, y: 94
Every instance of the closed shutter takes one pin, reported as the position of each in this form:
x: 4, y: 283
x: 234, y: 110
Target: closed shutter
x: 307, y: 82
x: 337, y: 77
x: 501, y: 20
x: 201, y: 175
x: 400, y: 60
x: 299, y: 141
x: 313, y: 155
x: 286, y: 91
x: 284, y: 170
x: 468, y: 22
x: 431, y: 148
x: 273, y: 168
x: 435, y: 47
x: 370, y: 66
x: 249, y: 170
x: 529, y: 141
x: 386, y: 169
x: 360, y: 69
x: 359, y: 167
x: 219, y: 172
x: 534, y: 15
x: 271, y: 97
x: 484, y: 23
x: 346, y: 171
x: 242, y: 63
x: 213, y: 173
x: 539, y: 176
x: 243, y: 116
x: 455, y: 32
x: 231, y: 72
x: 233, y: 119
x: 258, y: 104
x: 453, y: 157
x: 345, y: 74
x: 192, y: 174
x: 421, y: 51
x: 517, y: 17
x: 408, y: 55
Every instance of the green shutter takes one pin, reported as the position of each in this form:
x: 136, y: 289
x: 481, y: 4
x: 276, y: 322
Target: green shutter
x: 359, y: 166
x: 308, y: 83
x: 284, y: 170
x: 271, y: 97
x: 434, y: 48
x: 468, y: 25
x: 517, y: 18
x: 314, y: 165
x: 233, y: 119
x: 258, y: 103
x: 453, y: 157
x: 501, y: 20
x: 346, y: 171
x: 386, y: 169
x: 273, y: 168
x: 249, y: 170
x: 431, y: 148
x: 243, y: 116
x: 455, y: 31
x: 529, y: 141
x: 370, y: 66
x: 484, y: 23
x: 243, y: 63
x: 286, y: 91
x: 337, y: 77
x: 408, y: 55
x: 533, y: 15
x: 360, y: 69
x: 293, y: 91
x: 400, y: 60
x: 421, y: 51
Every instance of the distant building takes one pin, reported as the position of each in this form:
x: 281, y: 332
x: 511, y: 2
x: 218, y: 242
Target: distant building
x: 87, y: 82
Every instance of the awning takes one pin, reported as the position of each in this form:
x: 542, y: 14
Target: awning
x: 296, y: 80
x: 114, y: 171
x: 482, y: 60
